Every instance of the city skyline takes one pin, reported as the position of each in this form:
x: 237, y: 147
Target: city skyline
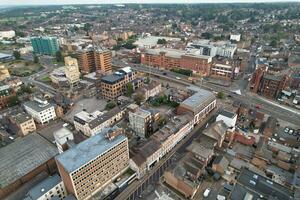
x: 67, y: 2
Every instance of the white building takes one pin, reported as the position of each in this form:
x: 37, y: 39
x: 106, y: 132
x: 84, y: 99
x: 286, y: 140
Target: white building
x: 7, y: 34
x: 51, y: 187
x: 92, y: 123
x: 62, y: 136
x: 235, y: 37
x: 228, y: 118
x: 139, y: 121
x: 41, y: 110
x: 72, y: 70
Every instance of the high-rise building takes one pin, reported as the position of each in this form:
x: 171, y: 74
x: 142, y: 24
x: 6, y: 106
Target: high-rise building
x: 45, y: 45
x: 92, y: 59
x: 72, y: 70
x: 103, y: 61
x: 94, y: 163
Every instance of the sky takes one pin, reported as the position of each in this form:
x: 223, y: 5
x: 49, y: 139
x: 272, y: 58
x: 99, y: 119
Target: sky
x: 57, y: 2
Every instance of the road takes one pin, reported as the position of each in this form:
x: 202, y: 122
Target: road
x: 134, y: 190
x: 267, y: 106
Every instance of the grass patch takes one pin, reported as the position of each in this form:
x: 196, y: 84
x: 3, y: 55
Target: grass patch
x: 46, y: 79
x: 23, y: 68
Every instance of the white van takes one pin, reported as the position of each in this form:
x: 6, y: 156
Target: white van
x: 206, y: 192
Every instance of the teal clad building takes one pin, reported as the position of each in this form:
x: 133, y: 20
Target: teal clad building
x: 45, y: 45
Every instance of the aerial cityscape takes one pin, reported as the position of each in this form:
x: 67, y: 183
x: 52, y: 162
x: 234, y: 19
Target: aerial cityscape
x: 150, y: 100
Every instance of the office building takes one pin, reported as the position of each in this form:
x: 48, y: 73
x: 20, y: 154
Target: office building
x: 86, y: 60
x: 172, y: 58
x: 199, y: 105
x: 272, y: 85
x: 72, y: 70
x: 222, y: 71
x: 45, y: 45
x: 23, y: 160
x: 229, y: 118
x: 21, y: 123
x: 94, y: 163
x: 115, y: 85
x: 140, y: 122
x: 50, y: 188
x: 92, y: 123
x: 103, y: 61
x: 4, y: 73
x: 41, y: 110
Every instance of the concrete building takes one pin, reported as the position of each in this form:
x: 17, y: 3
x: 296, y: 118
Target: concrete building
x: 6, y: 57
x: 23, y: 160
x: 235, y: 37
x: 222, y: 71
x: 72, y: 70
x: 115, y: 85
x: 62, y: 136
x: 92, y: 123
x: 21, y: 123
x: 141, y: 122
x: 172, y: 58
x: 4, y: 73
x: 58, y: 77
x: 86, y: 60
x: 41, y: 110
x: 229, y: 118
x: 209, y: 48
x: 103, y: 61
x: 149, y: 90
x: 7, y: 34
x: 217, y: 132
x: 45, y: 45
x: 94, y: 163
x: 50, y: 188
x: 199, y: 105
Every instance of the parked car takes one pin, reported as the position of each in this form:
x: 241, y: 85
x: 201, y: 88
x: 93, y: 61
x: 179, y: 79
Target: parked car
x: 206, y: 192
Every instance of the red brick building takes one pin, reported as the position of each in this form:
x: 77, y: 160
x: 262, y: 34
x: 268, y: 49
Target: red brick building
x: 172, y: 58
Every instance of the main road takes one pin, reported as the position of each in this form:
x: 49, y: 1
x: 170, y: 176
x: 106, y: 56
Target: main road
x: 267, y: 106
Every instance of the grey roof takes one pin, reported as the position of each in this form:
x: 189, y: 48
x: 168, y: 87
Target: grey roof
x: 43, y: 187
x: 4, y: 55
x: 88, y: 150
x: 198, y: 149
x: 23, y: 156
x: 37, y: 106
x: 228, y: 114
x: 216, y: 130
x: 106, y: 116
x: 257, y: 185
x: 21, y: 117
x: 112, y: 78
x: 199, y: 100
x: 272, y: 77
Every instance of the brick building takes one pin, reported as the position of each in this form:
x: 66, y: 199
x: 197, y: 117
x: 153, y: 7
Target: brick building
x: 272, y: 85
x: 94, y: 163
x: 172, y: 58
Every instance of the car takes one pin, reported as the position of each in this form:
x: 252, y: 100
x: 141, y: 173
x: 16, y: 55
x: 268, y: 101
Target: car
x: 178, y: 78
x: 291, y: 131
x: 206, y: 192
x: 165, y: 73
x: 258, y: 106
x: 221, y: 197
x: 286, y: 130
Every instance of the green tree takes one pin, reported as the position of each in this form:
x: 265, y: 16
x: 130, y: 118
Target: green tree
x: 129, y: 89
x: 138, y: 98
x: 13, y: 100
x: 110, y: 105
x: 36, y: 59
x: 220, y: 95
x: 59, y: 56
x: 274, y: 43
x: 162, y: 41
x: 17, y: 55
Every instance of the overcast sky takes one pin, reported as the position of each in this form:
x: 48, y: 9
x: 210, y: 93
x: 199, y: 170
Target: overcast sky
x: 47, y: 2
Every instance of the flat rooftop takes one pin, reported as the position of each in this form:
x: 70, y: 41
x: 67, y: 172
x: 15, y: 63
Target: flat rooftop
x: 88, y: 150
x: 38, y: 107
x: 23, y: 156
x: 175, y: 53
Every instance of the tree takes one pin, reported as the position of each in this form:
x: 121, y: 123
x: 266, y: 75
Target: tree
x: 129, y: 90
x: 13, y: 100
x: 162, y: 41
x: 139, y: 98
x: 110, y: 105
x: 274, y: 43
x: 59, y: 56
x: 87, y: 27
x: 220, y: 95
x: 17, y: 55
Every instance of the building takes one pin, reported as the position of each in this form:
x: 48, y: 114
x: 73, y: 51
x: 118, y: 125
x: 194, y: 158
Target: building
x: 141, y: 122
x: 199, y: 105
x: 209, y: 48
x: 21, y: 123
x: 4, y: 73
x: 229, y: 118
x: 6, y: 57
x: 24, y: 159
x: 72, y: 70
x: 92, y: 123
x: 50, y: 188
x: 6, y: 93
x: 222, y: 71
x: 86, y: 60
x: 256, y: 79
x: 45, y: 45
x: 151, y: 41
x: 235, y: 37
x: 172, y: 58
x: 217, y: 132
x: 94, y: 163
x: 103, y: 61
x: 251, y: 185
x: 41, y: 110
x: 149, y: 90
x: 58, y: 77
x: 272, y: 85
x: 7, y: 34
x: 220, y: 164
x: 115, y: 85
x: 62, y: 136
